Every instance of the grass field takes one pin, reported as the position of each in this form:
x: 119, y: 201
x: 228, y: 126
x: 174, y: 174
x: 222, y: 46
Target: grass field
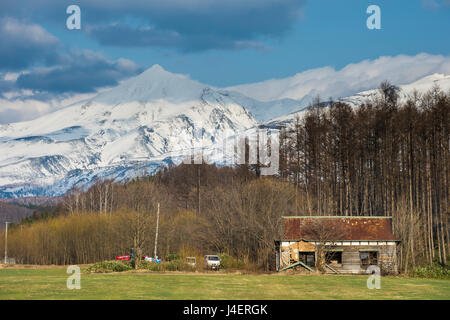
x: 50, y: 283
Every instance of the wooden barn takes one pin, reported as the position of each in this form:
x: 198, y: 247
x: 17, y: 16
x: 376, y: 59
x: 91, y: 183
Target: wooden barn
x: 337, y: 244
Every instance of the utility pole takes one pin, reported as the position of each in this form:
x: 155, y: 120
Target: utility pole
x: 156, y: 235
x: 6, y: 242
x: 198, y: 189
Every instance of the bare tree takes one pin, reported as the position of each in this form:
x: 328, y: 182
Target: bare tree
x: 324, y: 232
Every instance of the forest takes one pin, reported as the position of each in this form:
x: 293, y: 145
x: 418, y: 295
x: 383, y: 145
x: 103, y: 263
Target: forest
x: 388, y: 157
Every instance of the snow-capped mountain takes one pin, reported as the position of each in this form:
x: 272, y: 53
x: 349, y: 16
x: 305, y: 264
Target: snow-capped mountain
x: 405, y: 91
x: 142, y: 119
x: 145, y: 122
x: 421, y: 86
x: 150, y: 119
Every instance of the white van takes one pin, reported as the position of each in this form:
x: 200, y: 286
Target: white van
x: 212, y: 262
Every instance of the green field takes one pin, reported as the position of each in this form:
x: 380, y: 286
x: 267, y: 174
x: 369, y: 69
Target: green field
x: 50, y: 283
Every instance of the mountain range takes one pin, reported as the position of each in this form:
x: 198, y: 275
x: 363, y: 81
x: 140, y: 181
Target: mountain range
x: 145, y: 122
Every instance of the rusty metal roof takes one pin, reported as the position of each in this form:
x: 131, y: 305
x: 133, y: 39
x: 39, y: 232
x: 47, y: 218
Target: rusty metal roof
x: 352, y: 228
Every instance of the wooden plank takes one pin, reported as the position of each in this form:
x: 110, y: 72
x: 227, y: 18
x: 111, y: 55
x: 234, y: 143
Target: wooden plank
x: 329, y: 267
x: 297, y: 264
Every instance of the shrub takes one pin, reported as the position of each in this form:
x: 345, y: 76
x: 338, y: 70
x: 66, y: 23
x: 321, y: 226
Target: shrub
x: 436, y: 271
x: 174, y: 265
x: 172, y: 257
x: 177, y: 265
x: 229, y: 262
x: 151, y: 266
x: 109, y: 266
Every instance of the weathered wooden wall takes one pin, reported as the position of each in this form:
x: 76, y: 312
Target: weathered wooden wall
x: 351, y: 261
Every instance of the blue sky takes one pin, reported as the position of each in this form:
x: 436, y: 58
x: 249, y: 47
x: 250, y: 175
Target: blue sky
x: 221, y: 43
x: 329, y: 33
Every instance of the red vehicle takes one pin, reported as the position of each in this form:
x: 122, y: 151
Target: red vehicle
x: 127, y: 257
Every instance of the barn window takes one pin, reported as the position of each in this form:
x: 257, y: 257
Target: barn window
x: 308, y: 258
x: 333, y: 257
x: 368, y: 258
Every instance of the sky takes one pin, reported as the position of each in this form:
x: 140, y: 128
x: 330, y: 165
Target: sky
x: 44, y: 65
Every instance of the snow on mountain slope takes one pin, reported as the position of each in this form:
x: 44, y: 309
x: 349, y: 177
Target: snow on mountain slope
x: 144, y: 119
x: 264, y: 111
x: 422, y: 85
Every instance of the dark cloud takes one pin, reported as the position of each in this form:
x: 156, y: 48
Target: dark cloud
x: 80, y: 72
x: 188, y: 25
x: 124, y: 35
x: 120, y: 34
x: 47, y: 67
x: 23, y: 45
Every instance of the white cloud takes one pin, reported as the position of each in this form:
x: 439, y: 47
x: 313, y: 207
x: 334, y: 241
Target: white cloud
x: 328, y: 82
x: 31, y: 33
x: 21, y: 110
x: 11, y: 76
x: 23, y: 106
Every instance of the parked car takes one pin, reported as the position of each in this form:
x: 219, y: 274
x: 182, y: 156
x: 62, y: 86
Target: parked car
x: 212, y: 262
x: 192, y: 261
x: 152, y: 259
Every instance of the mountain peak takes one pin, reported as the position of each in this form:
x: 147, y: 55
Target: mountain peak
x: 156, y: 69
x: 154, y: 83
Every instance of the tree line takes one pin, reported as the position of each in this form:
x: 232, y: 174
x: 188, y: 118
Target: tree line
x: 240, y: 215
